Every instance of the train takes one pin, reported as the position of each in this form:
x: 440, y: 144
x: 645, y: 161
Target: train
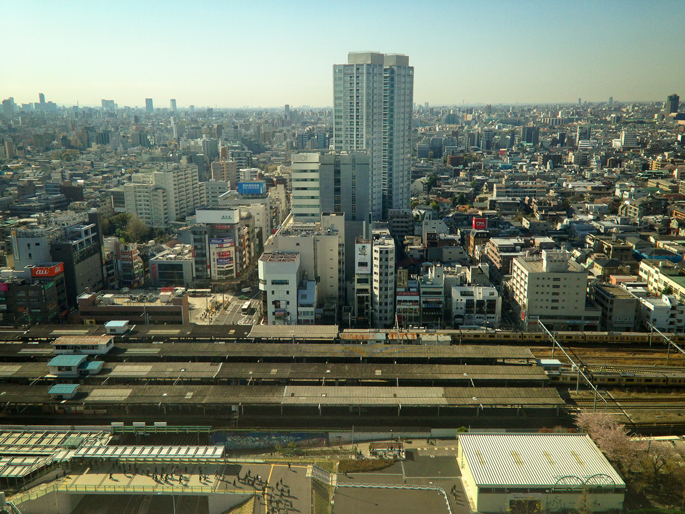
x: 541, y: 338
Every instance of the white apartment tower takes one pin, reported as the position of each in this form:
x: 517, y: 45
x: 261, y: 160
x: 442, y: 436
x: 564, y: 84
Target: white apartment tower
x: 383, y: 287
x: 161, y: 197
x: 373, y: 98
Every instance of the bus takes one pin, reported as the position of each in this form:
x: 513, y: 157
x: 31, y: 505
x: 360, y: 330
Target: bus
x: 246, y: 307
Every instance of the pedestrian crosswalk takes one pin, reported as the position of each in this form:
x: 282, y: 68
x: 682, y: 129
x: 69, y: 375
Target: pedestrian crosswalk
x: 434, y: 448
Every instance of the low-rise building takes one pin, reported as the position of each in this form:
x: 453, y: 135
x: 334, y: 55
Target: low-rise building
x: 619, y: 307
x: 666, y: 313
x: 174, y: 267
x: 537, y: 473
x: 476, y: 306
x: 143, y: 308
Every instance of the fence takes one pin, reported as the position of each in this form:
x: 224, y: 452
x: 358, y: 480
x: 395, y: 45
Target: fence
x: 122, y: 489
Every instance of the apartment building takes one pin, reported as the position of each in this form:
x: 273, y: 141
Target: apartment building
x: 161, y: 196
x: 620, y: 309
x: 662, y: 277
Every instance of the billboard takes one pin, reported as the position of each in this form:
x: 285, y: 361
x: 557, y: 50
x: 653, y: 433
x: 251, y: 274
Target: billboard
x: 480, y: 223
x: 214, y: 216
x: 47, y: 271
x: 362, y: 258
x: 252, y: 188
x: 224, y: 262
x: 221, y: 242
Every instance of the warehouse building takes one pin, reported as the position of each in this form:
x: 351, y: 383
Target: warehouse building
x: 537, y: 473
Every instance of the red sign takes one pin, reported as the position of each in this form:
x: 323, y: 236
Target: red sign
x: 480, y: 223
x: 47, y: 271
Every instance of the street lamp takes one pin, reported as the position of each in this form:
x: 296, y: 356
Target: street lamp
x: 173, y: 502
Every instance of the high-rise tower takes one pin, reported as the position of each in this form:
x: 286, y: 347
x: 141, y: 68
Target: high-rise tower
x: 148, y: 105
x: 672, y: 103
x: 373, y: 96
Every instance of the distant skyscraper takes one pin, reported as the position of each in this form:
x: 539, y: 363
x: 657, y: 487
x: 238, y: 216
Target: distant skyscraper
x: 578, y: 101
x: 41, y: 97
x: 148, y: 105
x: 173, y: 104
x: 373, y: 96
x: 611, y: 101
x: 672, y: 103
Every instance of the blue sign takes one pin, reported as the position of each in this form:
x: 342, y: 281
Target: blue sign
x: 252, y: 188
x: 226, y: 241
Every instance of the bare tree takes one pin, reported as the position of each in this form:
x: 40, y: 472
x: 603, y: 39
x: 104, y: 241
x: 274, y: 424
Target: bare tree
x: 656, y: 456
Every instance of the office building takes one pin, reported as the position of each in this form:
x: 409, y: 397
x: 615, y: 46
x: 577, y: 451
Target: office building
x: 432, y: 296
x: 306, y: 191
x: 383, y: 288
x: 39, y: 298
x: 224, y: 243
x: 321, y: 247
x: 173, y: 267
x: 210, y: 148
x: 672, y: 104
x: 225, y: 171
x: 552, y: 289
x: 629, y: 139
x: 619, y: 307
x: 407, y: 300
x: 279, y: 279
x: 662, y: 276
x: 373, y: 98
x: 530, y: 135
x: 173, y: 104
x: 148, y: 105
x: 254, y: 198
x: 476, y: 306
x: 362, y: 308
x: 210, y: 192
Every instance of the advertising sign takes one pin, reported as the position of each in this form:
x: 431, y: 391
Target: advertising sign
x: 224, y: 262
x: 362, y: 258
x: 47, y: 271
x: 214, y: 216
x: 221, y: 242
x: 480, y: 223
x: 252, y: 188
x: 4, y: 286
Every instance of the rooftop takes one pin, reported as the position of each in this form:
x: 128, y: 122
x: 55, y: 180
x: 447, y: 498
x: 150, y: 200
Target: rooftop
x: 70, y: 361
x: 536, y: 460
x: 279, y: 257
x: 534, y: 265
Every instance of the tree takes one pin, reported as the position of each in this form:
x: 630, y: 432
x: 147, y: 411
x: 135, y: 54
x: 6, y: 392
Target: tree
x: 434, y: 205
x: 656, y: 456
x: 611, y: 437
x: 137, y: 230
x: 461, y: 199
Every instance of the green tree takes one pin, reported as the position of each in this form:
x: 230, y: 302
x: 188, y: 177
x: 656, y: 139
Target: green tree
x: 461, y: 199
x: 434, y: 205
x: 137, y: 230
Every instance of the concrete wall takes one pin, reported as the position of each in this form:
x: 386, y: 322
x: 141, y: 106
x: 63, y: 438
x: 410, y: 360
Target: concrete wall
x: 495, y: 503
x: 52, y: 503
x: 220, y: 503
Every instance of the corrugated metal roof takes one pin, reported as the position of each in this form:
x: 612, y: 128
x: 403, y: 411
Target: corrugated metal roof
x: 533, y: 459
x: 91, y: 365
x: 67, y: 360
x: 63, y: 389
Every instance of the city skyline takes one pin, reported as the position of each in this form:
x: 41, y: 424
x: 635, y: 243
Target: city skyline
x: 273, y: 54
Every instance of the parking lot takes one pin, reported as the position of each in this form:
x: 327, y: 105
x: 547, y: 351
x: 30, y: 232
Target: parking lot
x: 421, y: 468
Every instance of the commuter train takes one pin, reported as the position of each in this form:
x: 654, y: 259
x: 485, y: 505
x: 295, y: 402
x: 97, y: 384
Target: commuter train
x: 541, y: 338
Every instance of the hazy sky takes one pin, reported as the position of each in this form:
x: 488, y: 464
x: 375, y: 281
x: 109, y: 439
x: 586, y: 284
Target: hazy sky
x: 260, y: 53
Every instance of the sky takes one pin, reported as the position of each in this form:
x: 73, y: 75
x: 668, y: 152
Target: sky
x: 253, y: 53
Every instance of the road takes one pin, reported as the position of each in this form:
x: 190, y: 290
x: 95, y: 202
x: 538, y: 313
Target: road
x: 232, y: 314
